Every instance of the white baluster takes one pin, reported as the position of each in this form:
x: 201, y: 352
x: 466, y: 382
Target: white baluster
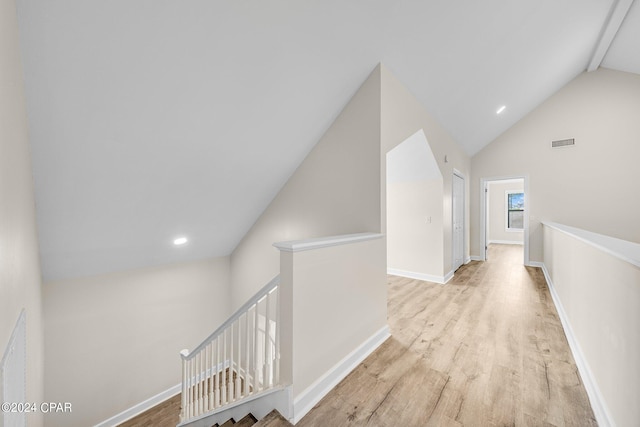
x: 205, y: 392
x: 200, y: 382
x: 256, y: 349
x: 277, y: 355
x: 191, y: 394
x: 216, y: 377
x: 211, y: 375
x: 239, y: 362
x: 231, y: 388
x: 267, y: 344
x: 248, y: 360
x: 198, y: 385
x: 223, y: 387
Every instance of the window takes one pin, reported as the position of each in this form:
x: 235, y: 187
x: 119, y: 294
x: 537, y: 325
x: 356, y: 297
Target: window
x: 515, y: 211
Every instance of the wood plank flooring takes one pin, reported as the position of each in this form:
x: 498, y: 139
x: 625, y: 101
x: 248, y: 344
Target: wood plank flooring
x: 166, y: 414
x: 487, y: 349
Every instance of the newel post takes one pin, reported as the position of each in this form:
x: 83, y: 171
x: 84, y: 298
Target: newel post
x: 184, y: 410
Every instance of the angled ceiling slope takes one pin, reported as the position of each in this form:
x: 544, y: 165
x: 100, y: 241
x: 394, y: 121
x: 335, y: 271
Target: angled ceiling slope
x: 150, y: 120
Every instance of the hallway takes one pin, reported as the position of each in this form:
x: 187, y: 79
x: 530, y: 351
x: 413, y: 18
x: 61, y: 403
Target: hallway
x: 486, y: 349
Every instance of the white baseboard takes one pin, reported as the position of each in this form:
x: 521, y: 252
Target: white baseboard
x: 447, y: 277
x: 476, y: 258
x: 155, y: 400
x: 140, y: 407
x: 505, y: 242
x: 467, y: 260
x: 420, y: 276
x: 600, y: 410
x: 306, y: 400
x: 536, y: 264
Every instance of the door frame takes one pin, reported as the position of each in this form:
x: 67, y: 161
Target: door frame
x: 483, y: 214
x: 460, y: 175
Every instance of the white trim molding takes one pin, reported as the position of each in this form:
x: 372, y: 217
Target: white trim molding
x: 600, y: 410
x: 442, y: 280
x: 535, y: 264
x: 505, y: 242
x: 325, y: 242
x: 139, y: 408
x: 306, y: 400
x: 625, y: 250
x: 483, y: 212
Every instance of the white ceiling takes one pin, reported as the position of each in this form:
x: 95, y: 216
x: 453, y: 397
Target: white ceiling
x: 155, y: 118
x: 624, y: 53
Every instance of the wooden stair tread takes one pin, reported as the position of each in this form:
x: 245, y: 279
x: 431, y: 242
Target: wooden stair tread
x: 273, y: 419
x: 247, y: 421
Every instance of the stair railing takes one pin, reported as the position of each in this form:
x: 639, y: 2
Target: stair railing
x: 240, y: 359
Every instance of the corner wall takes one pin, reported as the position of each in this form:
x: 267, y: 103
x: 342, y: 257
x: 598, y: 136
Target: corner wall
x: 591, y: 185
x: 113, y: 341
x: 20, y: 283
x: 402, y: 116
x: 336, y: 190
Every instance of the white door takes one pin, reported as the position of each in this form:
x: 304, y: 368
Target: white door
x: 458, y: 221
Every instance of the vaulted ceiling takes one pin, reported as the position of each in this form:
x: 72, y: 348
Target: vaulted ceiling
x: 151, y: 119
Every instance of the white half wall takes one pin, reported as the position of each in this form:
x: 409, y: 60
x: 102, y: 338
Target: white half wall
x: 597, y: 293
x: 333, y: 313
x: 113, y: 341
x: 20, y: 284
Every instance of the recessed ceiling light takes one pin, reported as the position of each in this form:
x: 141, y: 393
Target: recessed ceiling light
x: 180, y: 241
x: 501, y: 109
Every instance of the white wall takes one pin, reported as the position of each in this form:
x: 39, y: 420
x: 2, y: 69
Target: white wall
x: 599, y: 302
x: 496, y: 210
x: 415, y: 245
x: 402, y: 116
x: 20, y: 285
x: 414, y: 206
x: 336, y: 190
x: 591, y: 185
x: 113, y: 341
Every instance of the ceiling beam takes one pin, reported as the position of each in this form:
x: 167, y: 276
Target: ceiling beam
x: 610, y: 28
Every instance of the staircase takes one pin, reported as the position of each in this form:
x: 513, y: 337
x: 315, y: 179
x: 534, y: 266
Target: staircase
x: 273, y: 419
x: 272, y: 348
x: 235, y: 372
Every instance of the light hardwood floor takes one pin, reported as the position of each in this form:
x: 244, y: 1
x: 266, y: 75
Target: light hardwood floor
x: 487, y: 349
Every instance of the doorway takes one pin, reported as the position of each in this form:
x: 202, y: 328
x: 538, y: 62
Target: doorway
x: 504, y: 211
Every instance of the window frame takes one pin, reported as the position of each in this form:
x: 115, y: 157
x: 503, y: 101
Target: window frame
x: 507, y: 193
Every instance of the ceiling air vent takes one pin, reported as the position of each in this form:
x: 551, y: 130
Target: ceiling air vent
x: 563, y: 143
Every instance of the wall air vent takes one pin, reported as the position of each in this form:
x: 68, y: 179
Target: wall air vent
x: 563, y: 143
